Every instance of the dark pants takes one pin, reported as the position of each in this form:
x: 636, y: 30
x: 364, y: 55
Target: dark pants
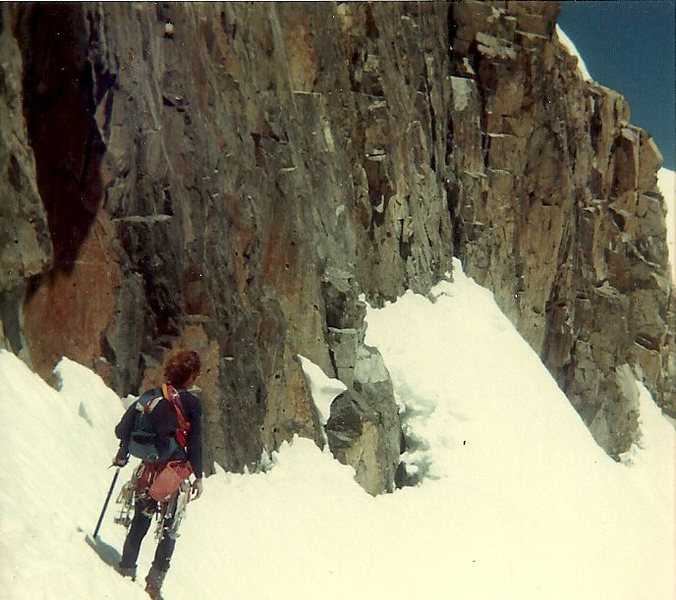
x: 137, y: 531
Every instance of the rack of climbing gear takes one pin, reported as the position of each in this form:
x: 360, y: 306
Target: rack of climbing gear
x: 172, y: 512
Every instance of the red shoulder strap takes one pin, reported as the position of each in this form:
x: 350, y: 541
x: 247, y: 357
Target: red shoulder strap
x: 174, y: 398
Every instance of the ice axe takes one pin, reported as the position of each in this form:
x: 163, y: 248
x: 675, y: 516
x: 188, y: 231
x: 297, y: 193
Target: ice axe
x: 105, y: 504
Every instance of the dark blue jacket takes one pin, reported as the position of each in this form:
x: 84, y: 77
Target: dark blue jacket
x: 165, y: 422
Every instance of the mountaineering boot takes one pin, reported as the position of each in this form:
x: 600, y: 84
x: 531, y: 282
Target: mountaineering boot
x: 126, y: 571
x: 154, y: 583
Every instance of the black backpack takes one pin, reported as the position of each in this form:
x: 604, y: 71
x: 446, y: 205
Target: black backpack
x: 144, y: 441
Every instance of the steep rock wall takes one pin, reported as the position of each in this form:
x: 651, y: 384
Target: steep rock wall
x: 25, y: 243
x: 210, y: 175
x: 557, y: 211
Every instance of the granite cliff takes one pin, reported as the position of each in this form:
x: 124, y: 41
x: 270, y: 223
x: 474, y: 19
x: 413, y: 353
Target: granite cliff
x: 234, y: 177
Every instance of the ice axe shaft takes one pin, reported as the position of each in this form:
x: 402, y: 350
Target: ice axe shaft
x: 105, y: 504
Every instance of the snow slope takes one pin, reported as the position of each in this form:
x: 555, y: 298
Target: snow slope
x: 516, y: 500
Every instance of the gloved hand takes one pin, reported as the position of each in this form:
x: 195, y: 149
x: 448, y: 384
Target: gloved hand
x: 120, y: 461
x: 196, y: 489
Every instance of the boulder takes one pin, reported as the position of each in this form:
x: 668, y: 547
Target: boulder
x: 364, y: 431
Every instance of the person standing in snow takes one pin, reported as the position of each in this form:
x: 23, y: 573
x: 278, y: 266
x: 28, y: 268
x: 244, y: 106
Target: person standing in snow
x: 177, y: 416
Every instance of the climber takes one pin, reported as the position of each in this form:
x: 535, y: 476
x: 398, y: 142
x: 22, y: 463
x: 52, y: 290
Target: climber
x: 175, y: 416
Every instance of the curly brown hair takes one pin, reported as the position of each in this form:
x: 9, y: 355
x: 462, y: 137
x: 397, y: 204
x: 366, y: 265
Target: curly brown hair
x: 181, y: 366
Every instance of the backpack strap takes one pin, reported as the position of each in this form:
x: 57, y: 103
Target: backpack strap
x: 173, y: 397
x: 150, y: 405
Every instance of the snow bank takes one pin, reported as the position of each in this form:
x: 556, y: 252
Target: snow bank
x: 55, y: 449
x: 535, y: 499
x: 323, y: 389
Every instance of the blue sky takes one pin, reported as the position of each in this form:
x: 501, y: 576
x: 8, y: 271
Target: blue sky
x: 629, y: 45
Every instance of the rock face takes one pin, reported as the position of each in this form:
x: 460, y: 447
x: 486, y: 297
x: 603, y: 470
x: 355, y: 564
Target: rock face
x: 557, y: 211
x: 25, y: 244
x: 233, y: 177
